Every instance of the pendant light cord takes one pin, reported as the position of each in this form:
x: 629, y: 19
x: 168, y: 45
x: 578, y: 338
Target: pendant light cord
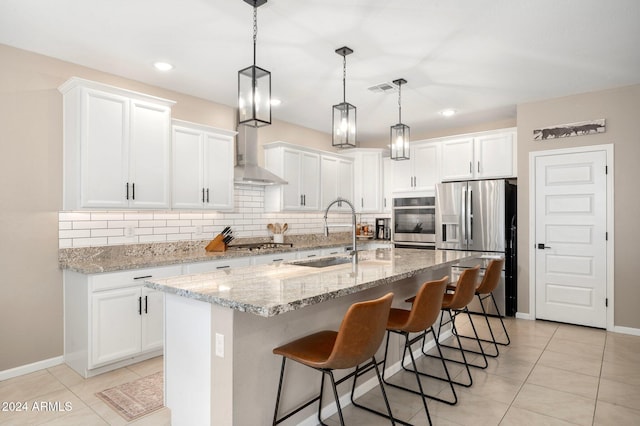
x: 344, y: 78
x: 400, y: 103
x: 255, y: 32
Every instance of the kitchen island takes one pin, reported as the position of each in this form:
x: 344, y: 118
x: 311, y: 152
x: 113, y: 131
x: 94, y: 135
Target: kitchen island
x: 221, y: 327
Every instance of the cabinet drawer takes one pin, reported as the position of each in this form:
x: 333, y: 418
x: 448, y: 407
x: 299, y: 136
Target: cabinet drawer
x: 202, y: 267
x: 133, y: 277
x: 275, y: 257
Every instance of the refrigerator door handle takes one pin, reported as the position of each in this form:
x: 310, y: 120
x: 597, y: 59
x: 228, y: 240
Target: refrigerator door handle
x: 463, y: 207
x: 470, y: 216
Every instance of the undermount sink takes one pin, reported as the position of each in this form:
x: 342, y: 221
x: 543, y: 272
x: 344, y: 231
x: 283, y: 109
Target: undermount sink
x: 323, y: 262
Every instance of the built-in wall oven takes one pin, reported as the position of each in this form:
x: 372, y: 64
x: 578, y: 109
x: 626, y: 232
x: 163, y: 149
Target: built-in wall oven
x: 414, y: 222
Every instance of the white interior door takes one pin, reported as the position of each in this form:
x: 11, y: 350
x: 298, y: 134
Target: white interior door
x: 570, y: 245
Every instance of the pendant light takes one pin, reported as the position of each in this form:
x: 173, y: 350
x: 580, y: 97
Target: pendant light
x: 400, y: 132
x: 254, y: 85
x: 344, y: 114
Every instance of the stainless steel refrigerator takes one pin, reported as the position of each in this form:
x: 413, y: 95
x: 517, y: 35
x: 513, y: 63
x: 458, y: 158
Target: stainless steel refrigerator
x: 481, y: 216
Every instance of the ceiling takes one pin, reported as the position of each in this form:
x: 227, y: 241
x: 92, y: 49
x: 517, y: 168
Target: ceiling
x: 479, y: 57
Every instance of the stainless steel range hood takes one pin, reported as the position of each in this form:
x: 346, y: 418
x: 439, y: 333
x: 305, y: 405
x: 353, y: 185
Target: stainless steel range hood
x: 247, y: 171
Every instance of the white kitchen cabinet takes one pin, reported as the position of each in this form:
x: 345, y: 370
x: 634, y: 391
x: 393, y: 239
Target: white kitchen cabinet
x: 489, y: 155
x: 301, y: 169
x: 202, y: 167
x: 117, y: 147
x: 111, y: 319
x: 367, y: 179
x: 337, y: 180
x: 419, y: 173
x: 387, y: 185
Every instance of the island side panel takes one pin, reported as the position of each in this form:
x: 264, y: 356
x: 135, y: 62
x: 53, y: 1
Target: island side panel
x: 256, y: 369
x: 187, y: 360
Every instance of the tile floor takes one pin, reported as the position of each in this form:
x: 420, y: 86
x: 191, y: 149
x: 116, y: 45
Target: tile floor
x: 551, y: 374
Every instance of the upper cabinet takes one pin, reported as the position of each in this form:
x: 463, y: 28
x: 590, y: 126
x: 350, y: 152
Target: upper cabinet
x: 387, y: 184
x: 117, y: 147
x: 202, y: 167
x: 367, y: 179
x: 420, y: 172
x: 301, y: 169
x: 337, y: 179
x: 490, y: 155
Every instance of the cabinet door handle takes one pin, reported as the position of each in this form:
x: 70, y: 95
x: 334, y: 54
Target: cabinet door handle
x: 277, y: 260
x: 207, y: 195
x: 385, y: 202
x: 478, y: 167
x: 301, y: 200
x: 311, y: 255
x: 140, y: 305
x: 146, y: 304
x: 222, y: 267
x: 133, y: 191
x: 203, y: 195
x: 142, y: 277
x: 304, y: 199
x: 470, y: 167
x: 362, y: 202
x: 127, y: 185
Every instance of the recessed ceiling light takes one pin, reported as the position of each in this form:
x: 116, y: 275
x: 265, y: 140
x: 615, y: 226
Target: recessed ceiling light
x: 448, y: 112
x: 275, y: 102
x: 163, y: 66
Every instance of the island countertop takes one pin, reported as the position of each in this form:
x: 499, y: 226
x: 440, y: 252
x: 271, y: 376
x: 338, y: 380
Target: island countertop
x: 270, y: 290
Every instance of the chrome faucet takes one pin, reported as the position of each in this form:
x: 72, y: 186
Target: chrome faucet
x: 353, y: 224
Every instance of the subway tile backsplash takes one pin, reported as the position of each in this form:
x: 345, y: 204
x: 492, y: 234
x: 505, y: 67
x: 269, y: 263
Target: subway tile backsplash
x: 248, y: 220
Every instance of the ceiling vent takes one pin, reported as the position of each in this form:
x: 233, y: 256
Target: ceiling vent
x: 384, y: 87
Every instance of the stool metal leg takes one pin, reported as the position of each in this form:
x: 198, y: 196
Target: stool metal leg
x: 421, y: 373
x: 374, y: 365
x: 493, y: 340
x: 275, y: 413
x: 335, y: 395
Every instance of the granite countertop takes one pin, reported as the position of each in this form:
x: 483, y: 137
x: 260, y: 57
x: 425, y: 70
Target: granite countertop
x: 270, y: 290
x: 92, y: 260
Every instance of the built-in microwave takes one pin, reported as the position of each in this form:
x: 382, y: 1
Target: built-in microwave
x: 414, y: 221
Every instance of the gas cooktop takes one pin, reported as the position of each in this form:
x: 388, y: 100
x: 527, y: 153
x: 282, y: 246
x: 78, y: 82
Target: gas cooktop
x: 258, y: 246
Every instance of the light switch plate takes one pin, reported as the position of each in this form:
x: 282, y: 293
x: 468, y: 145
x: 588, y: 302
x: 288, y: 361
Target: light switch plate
x: 220, y: 345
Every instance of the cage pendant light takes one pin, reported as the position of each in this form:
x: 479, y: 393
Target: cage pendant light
x: 344, y: 114
x: 254, y: 85
x: 400, y: 133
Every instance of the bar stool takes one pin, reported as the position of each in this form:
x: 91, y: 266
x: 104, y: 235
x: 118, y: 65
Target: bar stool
x: 357, y: 341
x: 419, y: 319
x: 454, y: 304
x: 484, y: 291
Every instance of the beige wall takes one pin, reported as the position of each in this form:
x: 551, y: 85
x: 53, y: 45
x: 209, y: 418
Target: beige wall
x: 620, y: 109
x: 31, y: 321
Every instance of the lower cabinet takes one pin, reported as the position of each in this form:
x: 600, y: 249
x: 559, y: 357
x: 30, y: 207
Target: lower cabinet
x: 112, y: 320
x: 125, y: 322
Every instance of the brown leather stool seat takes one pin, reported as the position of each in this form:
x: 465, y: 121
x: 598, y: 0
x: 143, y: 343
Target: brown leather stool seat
x: 357, y: 341
x: 484, y: 291
x: 419, y: 319
x: 454, y: 304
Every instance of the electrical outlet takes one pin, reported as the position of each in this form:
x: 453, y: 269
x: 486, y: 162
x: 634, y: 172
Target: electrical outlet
x: 220, y: 345
x: 129, y: 231
x: 199, y: 230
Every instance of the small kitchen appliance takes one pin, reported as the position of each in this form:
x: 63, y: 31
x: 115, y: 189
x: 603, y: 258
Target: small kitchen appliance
x: 383, y: 228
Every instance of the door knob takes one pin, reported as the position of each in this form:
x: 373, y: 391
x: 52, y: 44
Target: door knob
x: 542, y: 246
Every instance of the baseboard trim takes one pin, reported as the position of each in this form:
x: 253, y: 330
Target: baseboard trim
x: 626, y: 330
x: 30, y: 368
x: 523, y: 315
